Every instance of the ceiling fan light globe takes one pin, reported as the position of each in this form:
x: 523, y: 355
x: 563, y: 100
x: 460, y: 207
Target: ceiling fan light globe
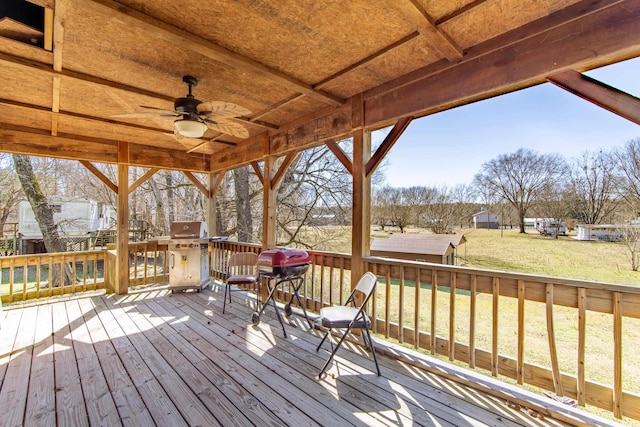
x: 190, y: 128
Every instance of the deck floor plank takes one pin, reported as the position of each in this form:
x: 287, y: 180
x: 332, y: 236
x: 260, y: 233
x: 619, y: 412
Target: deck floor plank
x: 264, y: 365
x: 70, y: 406
x: 41, y: 400
x: 13, y: 395
x: 364, y: 384
x: 191, y: 408
x: 156, y: 358
x: 101, y: 407
x: 159, y: 404
x: 239, y: 397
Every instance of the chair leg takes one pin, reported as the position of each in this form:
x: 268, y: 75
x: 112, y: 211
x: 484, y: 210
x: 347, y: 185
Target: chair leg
x: 224, y: 303
x: 373, y: 350
x: 323, y: 339
x: 333, y: 352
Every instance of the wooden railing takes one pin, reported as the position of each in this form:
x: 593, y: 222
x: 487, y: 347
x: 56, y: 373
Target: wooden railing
x: 25, y: 277
x: 566, y: 336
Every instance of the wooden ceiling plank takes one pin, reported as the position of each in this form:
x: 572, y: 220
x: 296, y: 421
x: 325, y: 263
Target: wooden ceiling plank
x: 598, y: 93
x: 282, y: 170
x: 94, y: 170
x: 340, y: 155
x: 169, y: 33
x: 427, y: 26
x: 613, y: 35
x: 148, y: 174
x: 368, y: 59
x: 387, y: 144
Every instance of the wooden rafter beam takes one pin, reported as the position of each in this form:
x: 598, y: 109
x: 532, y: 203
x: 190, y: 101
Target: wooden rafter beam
x: 340, y: 155
x: 386, y: 145
x: 258, y: 171
x: 31, y: 66
x: 148, y: 174
x: 425, y: 23
x: 282, y: 170
x: 169, y: 33
x: 30, y: 107
x: 460, y: 11
x: 38, y: 142
x: 200, y: 186
x: 598, y: 93
x: 102, y: 177
x: 217, y: 181
x: 602, y: 28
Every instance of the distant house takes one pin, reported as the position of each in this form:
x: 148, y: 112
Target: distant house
x: 436, y: 248
x: 606, y: 232
x: 485, y: 219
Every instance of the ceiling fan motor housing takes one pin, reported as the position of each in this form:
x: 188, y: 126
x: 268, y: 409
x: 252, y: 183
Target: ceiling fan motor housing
x: 187, y: 104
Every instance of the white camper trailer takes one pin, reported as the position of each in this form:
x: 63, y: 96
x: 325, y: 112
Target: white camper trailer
x: 75, y: 218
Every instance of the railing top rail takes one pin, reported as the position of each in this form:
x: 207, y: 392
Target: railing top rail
x: 576, y: 283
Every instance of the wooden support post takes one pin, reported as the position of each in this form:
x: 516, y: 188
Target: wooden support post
x: 269, y: 205
x: 361, y: 213
x: 212, y: 215
x: 121, y: 285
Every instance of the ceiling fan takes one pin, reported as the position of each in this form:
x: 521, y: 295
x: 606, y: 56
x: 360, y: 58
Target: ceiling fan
x: 194, y: 117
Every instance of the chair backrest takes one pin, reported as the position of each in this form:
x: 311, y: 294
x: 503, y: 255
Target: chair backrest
x: 366, y: 285
x: 242, y: 263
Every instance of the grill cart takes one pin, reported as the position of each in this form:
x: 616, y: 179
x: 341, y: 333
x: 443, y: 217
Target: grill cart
x: 188, y: 256
x: 282, y: 266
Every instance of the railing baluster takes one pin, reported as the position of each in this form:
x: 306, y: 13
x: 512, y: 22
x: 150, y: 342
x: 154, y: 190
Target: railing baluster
x: 555, y: 369
x: 434, y: 293
x: 520, y: 368
x: 494, y: 327
x: 617, y: 355
x: 582, y: 322
x: 452, y: 316
x: 401, y: 306
x: 472, y: 321
x: 387, y: 302
x: 416, y: 320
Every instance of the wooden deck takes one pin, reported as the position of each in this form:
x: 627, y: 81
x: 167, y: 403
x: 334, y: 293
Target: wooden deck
x: 156, y: 358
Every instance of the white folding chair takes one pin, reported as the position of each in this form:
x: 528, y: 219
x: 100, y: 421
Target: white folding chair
x: 242, y: 270
x: 350, y: 316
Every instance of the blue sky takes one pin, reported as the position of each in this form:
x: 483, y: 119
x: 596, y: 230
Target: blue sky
x: 449, y: 148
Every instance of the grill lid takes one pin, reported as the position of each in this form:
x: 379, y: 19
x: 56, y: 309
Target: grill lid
x: 188, y: 230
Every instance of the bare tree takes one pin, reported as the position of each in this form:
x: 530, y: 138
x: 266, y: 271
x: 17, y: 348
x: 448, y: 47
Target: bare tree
x: 43, y: 213
x: 593, y: 188
x: 10, y: 190
x: 243, y: 203
x: 520, y: 178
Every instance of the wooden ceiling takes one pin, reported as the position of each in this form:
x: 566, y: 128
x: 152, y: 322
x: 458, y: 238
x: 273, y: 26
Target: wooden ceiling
x: 308, y: 71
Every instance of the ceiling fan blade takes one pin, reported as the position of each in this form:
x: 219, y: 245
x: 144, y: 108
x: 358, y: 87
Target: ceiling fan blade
x: 145, y: 114
x: 159, y: 109
x: 221, y: 109
x: 228, y: 127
